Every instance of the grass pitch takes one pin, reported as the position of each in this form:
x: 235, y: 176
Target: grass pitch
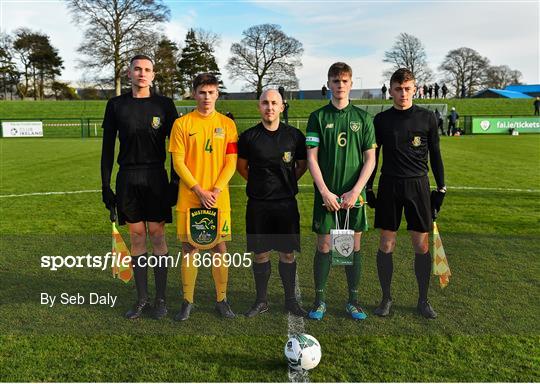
x: 487, y: 328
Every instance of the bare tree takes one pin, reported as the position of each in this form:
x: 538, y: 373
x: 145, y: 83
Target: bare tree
x: 408, y: 52
x: 501, y: 76
x: 117, y: 30
x: 211, y: 39
x: 265, y: 57
x: 465, y: 70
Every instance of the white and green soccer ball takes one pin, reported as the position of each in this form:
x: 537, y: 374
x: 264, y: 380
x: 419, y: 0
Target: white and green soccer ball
x: 303, y: 352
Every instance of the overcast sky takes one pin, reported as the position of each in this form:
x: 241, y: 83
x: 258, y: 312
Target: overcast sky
x: 357, y: 32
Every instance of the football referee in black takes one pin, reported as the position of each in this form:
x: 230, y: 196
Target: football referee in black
x: 272, y: 157
x: 141, y: 120
x: 407, y: 134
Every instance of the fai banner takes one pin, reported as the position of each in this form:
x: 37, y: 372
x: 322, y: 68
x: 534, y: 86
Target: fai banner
x: 22, y: 129
x: 490, y: 125
x: 202, y: 227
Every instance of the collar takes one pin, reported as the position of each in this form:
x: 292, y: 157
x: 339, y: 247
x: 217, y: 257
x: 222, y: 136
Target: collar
x: 344, y: 110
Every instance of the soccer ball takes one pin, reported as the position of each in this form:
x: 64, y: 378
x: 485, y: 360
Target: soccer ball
x: 303, y: 352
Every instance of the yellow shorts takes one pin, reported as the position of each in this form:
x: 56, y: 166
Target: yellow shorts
x: 224, y: 225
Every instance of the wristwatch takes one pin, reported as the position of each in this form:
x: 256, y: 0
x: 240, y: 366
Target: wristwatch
x: 442, y: 189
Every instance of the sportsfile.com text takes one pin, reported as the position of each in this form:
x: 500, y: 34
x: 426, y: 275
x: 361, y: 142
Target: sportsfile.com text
x: 111, y: 259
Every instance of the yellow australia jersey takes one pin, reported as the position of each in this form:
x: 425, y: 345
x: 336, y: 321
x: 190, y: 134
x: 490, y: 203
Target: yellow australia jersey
x: 204, y: 143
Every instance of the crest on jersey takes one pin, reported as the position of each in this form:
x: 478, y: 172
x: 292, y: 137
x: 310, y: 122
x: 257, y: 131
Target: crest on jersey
x: 354, y: 125
x: 156, y: 122
x: 416, y: 141
x: 218, y: 132
x: 202, y: 227
x: 287, y: 157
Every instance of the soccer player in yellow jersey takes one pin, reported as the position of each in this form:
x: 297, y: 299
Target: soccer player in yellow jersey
x: 204, y: 149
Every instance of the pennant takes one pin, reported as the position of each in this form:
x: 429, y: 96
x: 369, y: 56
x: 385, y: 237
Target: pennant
x: 120, y: 249
x: 440, y: 262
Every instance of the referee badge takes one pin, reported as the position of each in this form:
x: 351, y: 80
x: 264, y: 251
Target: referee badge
x: 202, y: 227
x: 354, y: 125
x: 416, y: 141
x: 156, y: 122
x: 287, y: 157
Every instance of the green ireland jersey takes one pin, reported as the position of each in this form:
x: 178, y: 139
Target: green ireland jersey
x: 341, y: 136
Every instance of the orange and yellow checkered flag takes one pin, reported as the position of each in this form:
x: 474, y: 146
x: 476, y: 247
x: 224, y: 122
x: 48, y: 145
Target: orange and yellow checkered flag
x: 440, y: 262
x: 121, y: 250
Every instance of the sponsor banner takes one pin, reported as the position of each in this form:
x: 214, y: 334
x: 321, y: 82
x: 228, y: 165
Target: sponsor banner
x: 22, y: 129
x: 505, y: 124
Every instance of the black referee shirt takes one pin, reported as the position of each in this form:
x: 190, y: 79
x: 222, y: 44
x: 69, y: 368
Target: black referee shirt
x: 406, y: 138
x: 142, y: 124
x: 271, y: 157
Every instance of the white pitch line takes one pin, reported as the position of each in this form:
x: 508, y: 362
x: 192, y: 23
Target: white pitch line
x: 295, y: 324
x: 299, y: 185
x: 455, y: 187
x: 52, y: 193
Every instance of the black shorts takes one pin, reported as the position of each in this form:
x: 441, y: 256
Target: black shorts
x: 142, y: 195
x: 273, y: 225
x: 396, y: 195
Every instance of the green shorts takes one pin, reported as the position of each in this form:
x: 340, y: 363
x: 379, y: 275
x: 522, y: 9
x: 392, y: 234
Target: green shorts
x: 324, y: 221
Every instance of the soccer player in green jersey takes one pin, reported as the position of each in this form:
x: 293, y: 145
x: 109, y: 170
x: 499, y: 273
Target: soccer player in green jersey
x: 341, y: 156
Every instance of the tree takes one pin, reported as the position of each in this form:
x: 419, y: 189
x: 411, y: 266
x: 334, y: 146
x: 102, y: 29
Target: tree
x: 197, y: 57
x: 62, y: 91
x: 23, y: 48
x: 40, y: 60
x: 116, y: 30
x: 265, y: 57
x: 501, y: 76
x: 408, y: 52
x: 9, y: 76
x: 165, y: 59
x: 210, y: 38
x: 464, y: 68
x: 46, y: 63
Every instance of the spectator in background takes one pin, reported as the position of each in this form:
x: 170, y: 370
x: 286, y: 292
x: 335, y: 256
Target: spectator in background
x: 463, y: 92
x: 383, y: 91
x: 286, y: 111
x: 439, y: 122
x: 537, y: 106
x: 425, y: 88
x: 437, y: 90
x: 323, y: 91
x: 430, y: 91
x: 444, y: 91
x: 452, y: 122
x: 420, y: 92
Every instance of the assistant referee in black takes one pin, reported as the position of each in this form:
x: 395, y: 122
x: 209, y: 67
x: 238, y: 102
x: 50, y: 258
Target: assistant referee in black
x: 407, y: 134
x: 272, y: 157
x: 142, y: 120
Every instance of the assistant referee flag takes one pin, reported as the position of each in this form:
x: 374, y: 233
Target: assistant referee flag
x: 120, y: 249
x: 440, y: 262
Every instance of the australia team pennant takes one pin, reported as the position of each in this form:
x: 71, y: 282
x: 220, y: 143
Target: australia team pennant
x: 440, y: 262
x: 120, y: 251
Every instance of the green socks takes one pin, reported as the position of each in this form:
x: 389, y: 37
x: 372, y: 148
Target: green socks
x: 321, y: 269
x: 353, y: 273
